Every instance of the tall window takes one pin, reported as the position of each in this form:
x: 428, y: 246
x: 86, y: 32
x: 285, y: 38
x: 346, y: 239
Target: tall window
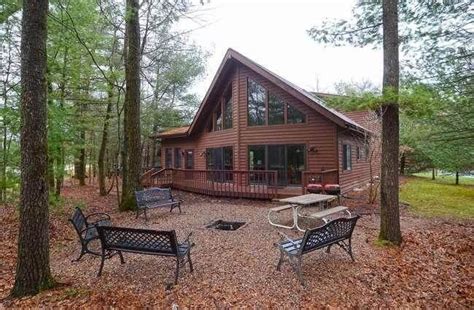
x: 189, y: 159
x: 168, y: 158
x: 220, y: 158
x: 346, y: 157
x: 218, y: 119
x: 256, y: 103
x: 257, y: 157
x: 295, y: 116
x: 228, y: 110
x: 276, y: 110
x: 177, y: 157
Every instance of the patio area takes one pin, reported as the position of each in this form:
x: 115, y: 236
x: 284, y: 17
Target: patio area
x: 238, y: 268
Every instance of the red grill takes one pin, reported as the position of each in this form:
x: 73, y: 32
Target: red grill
x: 314, y: 188
x: 332, y: 189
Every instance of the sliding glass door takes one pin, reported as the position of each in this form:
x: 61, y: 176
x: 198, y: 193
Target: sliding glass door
x: 220, y: 159
x: 288, y: 160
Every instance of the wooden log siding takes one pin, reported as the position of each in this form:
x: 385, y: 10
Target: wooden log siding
x: 319, y: 133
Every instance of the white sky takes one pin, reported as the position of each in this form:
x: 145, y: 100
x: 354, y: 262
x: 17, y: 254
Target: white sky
x: 273, y: 33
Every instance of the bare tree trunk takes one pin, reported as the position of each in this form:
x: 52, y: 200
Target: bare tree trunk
x: 132, y: 109
x: 457, y: 177
x: 402, y: 164
x: 33, y: 272
x: 433, y: 173
x: 390, y: 214
x: 103, y: 144
x: 81, y: 166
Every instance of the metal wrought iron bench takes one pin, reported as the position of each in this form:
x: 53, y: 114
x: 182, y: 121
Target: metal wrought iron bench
x: 85, y: 227
x: 335, y: 232
x: 155, y: 198
x: 115, y: 240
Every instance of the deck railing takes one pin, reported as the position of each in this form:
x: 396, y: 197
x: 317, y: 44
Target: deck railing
x: 261, y: 184
x: 322, y: 177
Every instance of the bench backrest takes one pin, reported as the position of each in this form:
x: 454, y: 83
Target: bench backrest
x: 138, y: 240
x: 335, y: 230
x: 78, y: 220
x: 152, y: 195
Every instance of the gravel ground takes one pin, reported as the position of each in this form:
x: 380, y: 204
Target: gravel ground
x: 433, y: 267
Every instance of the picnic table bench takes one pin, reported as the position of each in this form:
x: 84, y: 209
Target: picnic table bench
x: 155, y: 198
x: 324, y: 214
x: 296, y: 203
x: 115, y: 240
x: 335, y: 232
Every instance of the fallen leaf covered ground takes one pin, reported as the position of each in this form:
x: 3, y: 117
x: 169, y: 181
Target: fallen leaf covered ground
x: 432, y: 269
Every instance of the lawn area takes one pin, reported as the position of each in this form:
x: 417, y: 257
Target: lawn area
x: 446, y: 178
x: 436, y: 198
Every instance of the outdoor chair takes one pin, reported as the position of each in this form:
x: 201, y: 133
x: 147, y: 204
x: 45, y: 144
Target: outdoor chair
x: 86, y: 229
x: 337, y: 232
x: 115, y: 240
x: 155, y: 198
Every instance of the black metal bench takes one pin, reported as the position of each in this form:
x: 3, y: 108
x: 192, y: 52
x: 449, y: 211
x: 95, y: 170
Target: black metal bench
x: 116, y: 240
x: 85, y: 227
x: 155, y: 198
x: 335, y: 232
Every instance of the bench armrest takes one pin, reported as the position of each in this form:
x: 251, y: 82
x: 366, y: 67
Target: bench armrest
x: 288, y: 239
x: 100, y: 217
x: 187, y: 239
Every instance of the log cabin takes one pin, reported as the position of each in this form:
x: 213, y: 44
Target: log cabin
x: 257, y: 135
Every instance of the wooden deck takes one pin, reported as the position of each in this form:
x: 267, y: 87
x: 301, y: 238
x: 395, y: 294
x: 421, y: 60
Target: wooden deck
x: 253, y: 184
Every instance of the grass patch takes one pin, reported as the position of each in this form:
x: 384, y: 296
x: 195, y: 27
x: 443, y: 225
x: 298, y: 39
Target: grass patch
x: 434, y: 198
x: 446, y: 178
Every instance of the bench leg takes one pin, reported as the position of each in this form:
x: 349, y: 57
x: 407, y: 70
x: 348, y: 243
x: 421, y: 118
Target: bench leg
x: 80, y: 255
x: 190, y: 262
x: 101, y: 264
x: 282, y: 257
x: 296, y: 265
x: 177, y: 271
x: 347, y: 248
x: 122, y: 261
x: 328, y: 249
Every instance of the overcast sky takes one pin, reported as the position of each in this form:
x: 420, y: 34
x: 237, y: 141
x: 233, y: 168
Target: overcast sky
x: 273, y: 33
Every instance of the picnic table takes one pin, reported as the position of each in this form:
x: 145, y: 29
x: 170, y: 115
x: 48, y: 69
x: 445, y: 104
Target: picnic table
x: 295, y: 203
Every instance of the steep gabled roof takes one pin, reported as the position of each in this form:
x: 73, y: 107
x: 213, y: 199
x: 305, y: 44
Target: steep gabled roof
x: 314, y: 102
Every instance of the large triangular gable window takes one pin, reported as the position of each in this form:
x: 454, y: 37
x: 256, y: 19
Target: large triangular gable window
x: 266, y: 108
x: 295, y: 116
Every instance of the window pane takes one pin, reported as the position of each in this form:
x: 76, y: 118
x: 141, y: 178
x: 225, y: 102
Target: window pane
x: 295, y: 116
x: 346, y: 157
x: 256, y: 157
x: 218, y: 118
x: 189, y: 160
x: 177, y: 157
x: 276, y: 110
x: 296, y: 163
x: 228, y: 112
x: 256, y: 103
x: 168, y: 158
x: 228, y: 158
